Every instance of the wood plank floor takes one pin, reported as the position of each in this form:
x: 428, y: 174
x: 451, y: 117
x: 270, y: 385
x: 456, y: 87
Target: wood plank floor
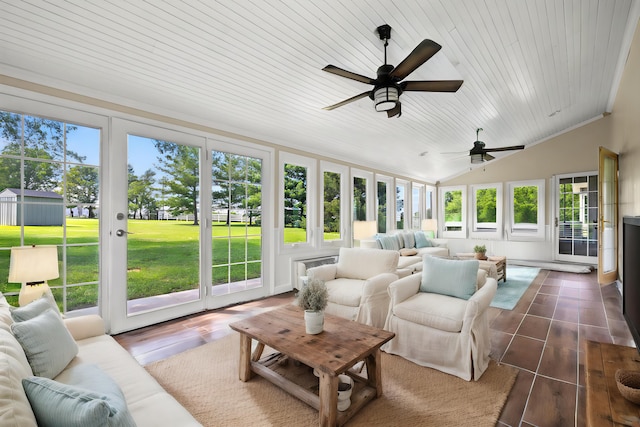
x: 543, y: 336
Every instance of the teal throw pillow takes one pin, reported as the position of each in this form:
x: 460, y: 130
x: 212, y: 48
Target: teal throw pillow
x: 89, y: 397
x: 34, y: 308
x: 46, y: 342
x: 456, y: 278
x: 421, y: 240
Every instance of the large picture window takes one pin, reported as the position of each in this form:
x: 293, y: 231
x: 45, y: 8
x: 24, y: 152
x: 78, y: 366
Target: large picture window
x: 335, y: 202
x: 50, y: 195
x: 486, y: 211
x: 297, y: 195
x: 526, y: 209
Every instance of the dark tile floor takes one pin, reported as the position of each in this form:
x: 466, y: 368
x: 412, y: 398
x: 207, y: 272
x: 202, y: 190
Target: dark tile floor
x: 543, y: 336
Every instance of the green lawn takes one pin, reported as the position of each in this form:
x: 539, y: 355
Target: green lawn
x: 163, y: 256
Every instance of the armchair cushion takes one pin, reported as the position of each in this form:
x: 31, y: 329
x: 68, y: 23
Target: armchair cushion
x: 433, y: 310
x: 449, y: 277
x: 345, y: 291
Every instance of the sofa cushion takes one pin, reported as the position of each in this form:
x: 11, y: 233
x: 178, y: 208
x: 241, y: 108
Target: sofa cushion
x: 34, y: 308
x: 90, y: 398
x: 433, y: 310
x: 389, y: 243
x: 5, y: 314
x: 421, y: 240
x: 409, y: 240
x: 46, y: 342
x: 14, y: 406
x: 455, y: 278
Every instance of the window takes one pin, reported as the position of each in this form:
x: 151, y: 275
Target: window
x: 335, y: 201
x: 236, y: 231
x: 401, y: 194
x: 486, y: 211
x: 526, y: 209
x: 416, y: 206
x: 383, y: 201
x: 359, y: 199
x: 453, y: 216
x: 50, y: 195
x: 296, y: 195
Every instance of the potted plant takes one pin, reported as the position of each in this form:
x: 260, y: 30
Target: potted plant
x: 313, y: 299
x: 480, y: 251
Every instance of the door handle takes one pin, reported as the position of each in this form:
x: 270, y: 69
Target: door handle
x: 121, y: 233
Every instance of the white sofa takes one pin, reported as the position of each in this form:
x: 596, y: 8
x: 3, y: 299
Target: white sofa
x: 412, y: 245
x: 148, y: 403
x: 358, y: 283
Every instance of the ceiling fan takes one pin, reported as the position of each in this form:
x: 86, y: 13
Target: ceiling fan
x: 479, y: 154
x: 388, y: 86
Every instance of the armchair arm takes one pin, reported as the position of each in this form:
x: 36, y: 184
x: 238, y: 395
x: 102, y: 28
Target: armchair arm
x: 378, y: 284
x: 324, y: 272
x: 404, y: 288
x: 480, y: 300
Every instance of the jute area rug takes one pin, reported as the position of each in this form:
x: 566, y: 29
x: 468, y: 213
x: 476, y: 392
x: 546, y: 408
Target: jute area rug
x: 205, y: 381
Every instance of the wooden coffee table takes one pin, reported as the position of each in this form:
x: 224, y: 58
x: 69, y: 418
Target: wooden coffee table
x: 342, y: 344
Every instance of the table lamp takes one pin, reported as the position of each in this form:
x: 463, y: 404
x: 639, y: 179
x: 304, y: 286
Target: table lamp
x: 33, y: 266
x: 430, y: 225
x: 364, y: 229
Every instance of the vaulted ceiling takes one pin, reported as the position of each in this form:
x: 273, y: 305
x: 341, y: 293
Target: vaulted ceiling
x: 531, y: 69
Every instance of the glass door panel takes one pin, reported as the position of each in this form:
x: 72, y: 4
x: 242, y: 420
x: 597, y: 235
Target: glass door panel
x: 608, y: 220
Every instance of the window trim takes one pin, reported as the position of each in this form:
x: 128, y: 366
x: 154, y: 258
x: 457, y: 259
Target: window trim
x: 533, y: 232
x: 489, y: 233
x: 461, y: 234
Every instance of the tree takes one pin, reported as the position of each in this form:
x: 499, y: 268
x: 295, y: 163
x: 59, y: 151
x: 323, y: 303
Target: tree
x: 41, y: 139
x: 237, y: 183
x: 453, y: 206
x: 82, y: 187
x: 486, y: 201
x: 331, y: 202
x: 359, y: 199
x: 525, y: 205
x: 295, y: 196
x: 181, y: 163
x: 140, y: 193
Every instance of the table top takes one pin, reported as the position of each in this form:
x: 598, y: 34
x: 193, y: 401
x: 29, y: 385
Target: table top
x: 342, y: 343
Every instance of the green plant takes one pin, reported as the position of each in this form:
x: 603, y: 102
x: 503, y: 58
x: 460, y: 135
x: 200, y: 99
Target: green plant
x: 480, y: 249
x: 314, y: 296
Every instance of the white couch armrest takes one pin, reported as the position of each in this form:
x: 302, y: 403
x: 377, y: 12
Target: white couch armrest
x: 83, y: 327
x: 322, y: 272
x: 404, y: 288
x: 480, y: 300
x: 440, y: 243
x: 378, y: 284
x: 369, y: 243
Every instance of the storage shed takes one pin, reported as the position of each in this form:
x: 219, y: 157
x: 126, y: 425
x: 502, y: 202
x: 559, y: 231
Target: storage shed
x: 40, y: 207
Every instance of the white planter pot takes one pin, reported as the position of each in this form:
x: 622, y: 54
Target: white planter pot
x: 314, y: 321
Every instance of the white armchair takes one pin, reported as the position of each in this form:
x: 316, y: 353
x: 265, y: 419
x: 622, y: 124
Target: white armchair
x: 440, y: 331
x: 358, y: 284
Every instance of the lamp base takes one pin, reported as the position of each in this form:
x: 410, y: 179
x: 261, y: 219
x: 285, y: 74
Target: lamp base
x: 29, y: 293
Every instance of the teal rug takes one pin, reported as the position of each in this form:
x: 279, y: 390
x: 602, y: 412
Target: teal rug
x: 510, y: 292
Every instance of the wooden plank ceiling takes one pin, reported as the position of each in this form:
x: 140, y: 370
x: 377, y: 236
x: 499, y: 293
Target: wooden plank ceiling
x: 531, y: 69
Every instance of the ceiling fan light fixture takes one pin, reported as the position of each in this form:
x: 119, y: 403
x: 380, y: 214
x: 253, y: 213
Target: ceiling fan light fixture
x: 477, y: 158
x: 385, y: 98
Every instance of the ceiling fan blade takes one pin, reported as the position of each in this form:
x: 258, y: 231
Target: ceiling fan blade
x: 425, y: 50
x: 513, y: 147
x: 431, y: 85
x: 395, y: 111
x: 346, y: 101
x: 348, y: 74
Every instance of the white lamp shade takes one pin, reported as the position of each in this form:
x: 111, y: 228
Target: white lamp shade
x: 33, y: 264
x: 364, y: 229
x: 429, y: 224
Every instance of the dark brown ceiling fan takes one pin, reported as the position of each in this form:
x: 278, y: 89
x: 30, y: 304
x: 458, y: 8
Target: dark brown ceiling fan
x: 480, y: 154
x: 388, y: 86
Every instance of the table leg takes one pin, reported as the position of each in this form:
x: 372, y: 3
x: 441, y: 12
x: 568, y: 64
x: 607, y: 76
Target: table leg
x: 328, y: 395
x: 374, y: 371
x: 245, y: 357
